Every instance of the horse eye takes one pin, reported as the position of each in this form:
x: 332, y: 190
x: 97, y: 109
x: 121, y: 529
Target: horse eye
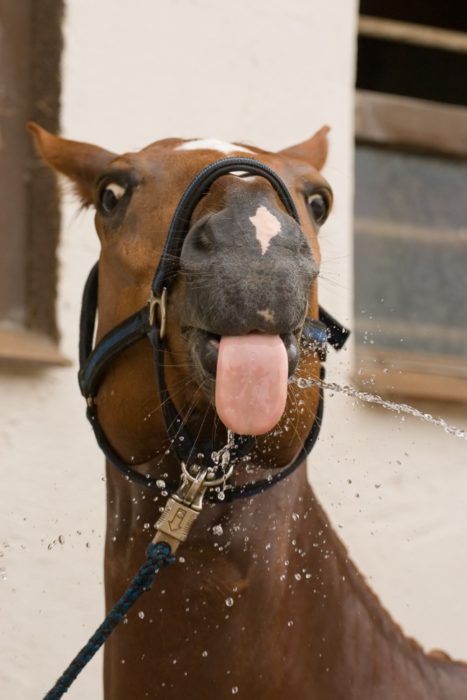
x: 318, y: 206
x: 110, y: 196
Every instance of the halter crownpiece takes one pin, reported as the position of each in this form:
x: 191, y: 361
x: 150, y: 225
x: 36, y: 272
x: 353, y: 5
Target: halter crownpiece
x: 150, y: 322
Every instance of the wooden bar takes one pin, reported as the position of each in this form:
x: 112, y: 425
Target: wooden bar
x: 416, y: 375
x: 411, y: 124
x: 406, y: 32
x: 28, y: 347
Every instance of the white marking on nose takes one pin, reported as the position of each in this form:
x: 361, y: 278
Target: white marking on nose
x: 267, y: 226
x: 267, y: 314
x: 212, y: 145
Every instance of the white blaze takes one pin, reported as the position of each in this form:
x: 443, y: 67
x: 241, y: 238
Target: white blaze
x: 267, y: 226
x: 212, y: 145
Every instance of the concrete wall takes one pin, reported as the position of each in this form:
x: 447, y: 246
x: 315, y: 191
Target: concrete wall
x: 269, y: 72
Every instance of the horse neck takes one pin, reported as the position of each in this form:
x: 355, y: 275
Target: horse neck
x: 279, y: 552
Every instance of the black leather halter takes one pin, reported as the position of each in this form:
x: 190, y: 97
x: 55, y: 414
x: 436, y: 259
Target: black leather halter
x: 94, y: 361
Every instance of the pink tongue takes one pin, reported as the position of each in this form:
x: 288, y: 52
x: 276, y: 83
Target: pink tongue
x: 251, y: 382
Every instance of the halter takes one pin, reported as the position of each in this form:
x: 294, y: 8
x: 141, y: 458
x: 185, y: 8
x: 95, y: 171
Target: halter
x: 150, y: 322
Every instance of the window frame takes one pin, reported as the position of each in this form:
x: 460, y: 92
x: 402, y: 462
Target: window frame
x: 35, y: 339
x: 412, y: 125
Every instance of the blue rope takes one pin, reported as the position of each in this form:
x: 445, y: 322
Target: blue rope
x: 157, y: 555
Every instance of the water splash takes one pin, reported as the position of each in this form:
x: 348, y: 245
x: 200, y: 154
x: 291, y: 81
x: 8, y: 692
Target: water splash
x: 365, y: 396
x: 221, y: 458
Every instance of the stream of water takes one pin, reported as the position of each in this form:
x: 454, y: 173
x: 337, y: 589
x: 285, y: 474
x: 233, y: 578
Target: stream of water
x: 389, y: 405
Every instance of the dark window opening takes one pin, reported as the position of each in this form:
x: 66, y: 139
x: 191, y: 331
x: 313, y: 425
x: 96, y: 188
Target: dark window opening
x: 413, y: 71
x: 449, y: 14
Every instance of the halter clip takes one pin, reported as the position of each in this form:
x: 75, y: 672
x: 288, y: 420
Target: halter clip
x: 182, y: 510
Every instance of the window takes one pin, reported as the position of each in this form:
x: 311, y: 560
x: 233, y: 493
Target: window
x: 30, y: 53
x: 411, y: 204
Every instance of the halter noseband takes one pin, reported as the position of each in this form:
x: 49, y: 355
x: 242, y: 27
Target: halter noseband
x: 149, y: 322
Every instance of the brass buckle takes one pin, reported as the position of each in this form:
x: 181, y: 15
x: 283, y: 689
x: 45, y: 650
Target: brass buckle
x: 160, y: 302
x: 183, y: 507
x: 181, y: 511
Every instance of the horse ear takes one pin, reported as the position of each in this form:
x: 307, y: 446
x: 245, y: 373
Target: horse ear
x: 314, y: 150
x: 80, y: 162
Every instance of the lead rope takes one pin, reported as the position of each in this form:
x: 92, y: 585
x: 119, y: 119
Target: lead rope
x: 157, y: 556
x: 172, y: 528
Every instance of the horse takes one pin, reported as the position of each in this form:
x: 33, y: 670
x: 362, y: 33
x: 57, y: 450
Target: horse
x: 263, y: 600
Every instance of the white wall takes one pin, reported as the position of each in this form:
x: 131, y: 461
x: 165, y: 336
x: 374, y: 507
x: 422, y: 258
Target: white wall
x: 269, y: 72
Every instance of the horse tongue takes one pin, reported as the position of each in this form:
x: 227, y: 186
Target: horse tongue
x: 251, y: 382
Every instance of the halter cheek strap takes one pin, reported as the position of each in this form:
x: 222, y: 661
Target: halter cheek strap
x: 149, y: 322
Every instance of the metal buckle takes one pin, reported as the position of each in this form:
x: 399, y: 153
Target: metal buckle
x: 184, y: 507
x: 161, y: 302
x: 181, y: 510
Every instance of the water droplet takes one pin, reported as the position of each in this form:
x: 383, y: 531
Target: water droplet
x: 204, y: 654
x: 141, y: 615
x: 218, y: 530
x: 61, y: 539
x: 290, y: 623
x: 229, y: 602
x: 221, y: 496
x: 182, y: 560
x: 160, y: 483
x: 295, y: 516
x: 234, y: 690
x: 298, y: 577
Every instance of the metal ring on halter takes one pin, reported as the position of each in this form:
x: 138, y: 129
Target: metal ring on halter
x: 209, y: 483
x: 161, y: 302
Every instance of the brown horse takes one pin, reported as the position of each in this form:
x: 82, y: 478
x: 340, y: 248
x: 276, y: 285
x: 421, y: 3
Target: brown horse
x: 264, y: 600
